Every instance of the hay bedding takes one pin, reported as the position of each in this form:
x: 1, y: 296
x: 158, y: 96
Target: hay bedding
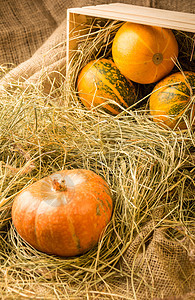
x: 153, y: 194
x: 147, y: 250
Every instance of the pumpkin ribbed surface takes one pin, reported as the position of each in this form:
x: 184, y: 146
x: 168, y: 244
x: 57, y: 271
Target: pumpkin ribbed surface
x: 100, y: 83
x: 171, y: 97
x: 144, y: 53
x: 63, y: 214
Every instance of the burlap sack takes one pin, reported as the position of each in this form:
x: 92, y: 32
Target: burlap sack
x: 33, y: 39
x: 47, y: 62
x: 156, y: 266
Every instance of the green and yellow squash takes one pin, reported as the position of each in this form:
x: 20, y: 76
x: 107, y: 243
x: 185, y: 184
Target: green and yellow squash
x: 171, y: 98
x: 101, y: 84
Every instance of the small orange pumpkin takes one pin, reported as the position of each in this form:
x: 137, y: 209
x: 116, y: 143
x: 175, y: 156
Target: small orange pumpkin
x: 171, y: 98
x: 65, y: 213
x: 144, y: 53
x: 100, y: 83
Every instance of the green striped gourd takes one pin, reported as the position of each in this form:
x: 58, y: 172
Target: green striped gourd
x: 171, y: 98
x: 101, y: 84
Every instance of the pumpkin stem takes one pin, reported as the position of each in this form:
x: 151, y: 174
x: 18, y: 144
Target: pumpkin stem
x: 59, y: 186
x: 157, y: 58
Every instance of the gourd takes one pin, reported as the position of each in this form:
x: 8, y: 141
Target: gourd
x: 65, y: 213
x: 171, y: 97
x: 143, y: 53
x: 100, y: 83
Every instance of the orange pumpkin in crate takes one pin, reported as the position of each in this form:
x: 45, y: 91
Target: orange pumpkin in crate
x: 65, y: 213
x: 171, y: 97
x: 100, y: 83
x: 143, y: 53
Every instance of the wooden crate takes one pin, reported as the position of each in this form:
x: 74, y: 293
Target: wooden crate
x: 78, y: 18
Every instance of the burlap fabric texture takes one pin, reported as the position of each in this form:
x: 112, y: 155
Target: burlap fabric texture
x: 157, y: 266
x: 33, y: 41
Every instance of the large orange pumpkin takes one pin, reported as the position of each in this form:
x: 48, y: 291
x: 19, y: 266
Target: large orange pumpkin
x: 144, y: 53
x: 65, y: 213
x: 100, y: 83
x: 171, y: 97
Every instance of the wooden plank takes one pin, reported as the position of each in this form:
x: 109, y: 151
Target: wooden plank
x: 153, y: 12
x: 140, y: 14
x: 75, y: 23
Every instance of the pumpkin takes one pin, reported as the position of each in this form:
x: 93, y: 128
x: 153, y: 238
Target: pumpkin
x: 144, y: 53
x: 171, y: 97
x: 100, y: 83
x: 65, y: 213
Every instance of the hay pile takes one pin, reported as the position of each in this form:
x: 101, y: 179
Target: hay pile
x: 150, y: 170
